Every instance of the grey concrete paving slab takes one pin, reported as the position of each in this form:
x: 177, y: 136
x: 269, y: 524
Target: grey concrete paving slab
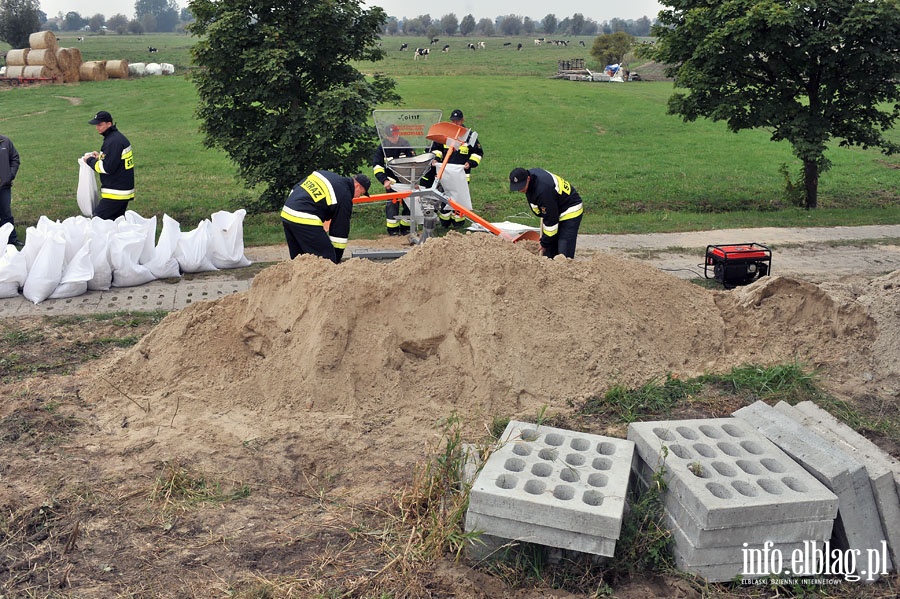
x: 728, y: 474
x: 516, y: 530
x: 859, y: 525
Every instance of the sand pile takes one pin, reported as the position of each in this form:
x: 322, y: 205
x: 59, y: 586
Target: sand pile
x: 322, y: 365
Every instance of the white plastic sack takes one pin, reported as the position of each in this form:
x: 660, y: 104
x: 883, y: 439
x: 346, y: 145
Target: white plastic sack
x: 125, y: 247
x: 166, y: 68
x: 227, y: 239
x: 5, y: 231
x: 164, y: 265
x: 75, y: 276
x: 87, y: 195
x: 137, y: 68
x: 12, y: 269
x: 153, y: 68
x: 148, y: 227
x: 455, y: 185
x: 45, y: 272
x: 98, y: 238
x: 193, y: 251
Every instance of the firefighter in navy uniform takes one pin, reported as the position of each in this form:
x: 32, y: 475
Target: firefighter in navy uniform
x: 468, y: 156
x: 557, y: 203
x: 115, y: 163
x: 320, y: 197
x: 396, y: 214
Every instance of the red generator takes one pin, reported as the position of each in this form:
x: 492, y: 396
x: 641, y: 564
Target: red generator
x: 737, y: 264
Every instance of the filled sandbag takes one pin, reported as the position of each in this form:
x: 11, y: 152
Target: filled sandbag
x: 43, y: 40
x: 148, y: 227
x: 125, y: 248
x: 193, y: 251
x: 164, y: 264
x: 12, y: 270
x: 87, y: 195
x: 227, y: 239
x: 117, y: 69
x: 45, y: 272
x: 17, y: 57
x: 100, y: 234
x: 76, y: 274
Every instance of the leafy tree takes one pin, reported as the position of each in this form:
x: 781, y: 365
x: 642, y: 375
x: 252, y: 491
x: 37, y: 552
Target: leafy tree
x: 165, y: 11
x: 528, y: 26
x: 96, y: 22
x: 277, y: 89
x: 611, y: 48
x: 467, y: 25
x: 135, y: 26
x: 577, y: 23
x: 118, y: 23
x: 550, y: 22
x: 18, y: 20
x: 148, y: 22
x: 807, y: 71
x: 449, y: 24
x: 74, y: 22
x: 485, y: 27
x: 393, y: 26
x: 510, y: 25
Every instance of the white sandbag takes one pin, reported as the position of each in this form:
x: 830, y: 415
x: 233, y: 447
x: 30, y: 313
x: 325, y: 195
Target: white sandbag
x: 12, y: 269
x: 166, y: 68
x: 138, y: 69
x: 75, y: 230
x: 125, y: 247
x: 455, y: 185
x: 5, y: 231
x: 98, y: 238
x: 227, y: 239
x: 75, y: 276
x: 148, y: 227
x: 45, y: 272
x: 193, y: 251
x: 154, y: 68
x: 87, y: 194
x: 164, y: 264
x: 35, y: 236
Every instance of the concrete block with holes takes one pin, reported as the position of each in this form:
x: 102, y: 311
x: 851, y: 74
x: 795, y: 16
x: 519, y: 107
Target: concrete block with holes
x: 859, y: 526
x: 729, y: 489
x: 565, y: 489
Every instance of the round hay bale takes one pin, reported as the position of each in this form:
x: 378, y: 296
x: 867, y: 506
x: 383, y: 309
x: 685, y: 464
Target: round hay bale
x: 93, y: 70
x: 17, y: 58
x: 138, y: 69
x: 117, y: 69
x: 69, y: 61
x: 43, y: 57
x: 39, y: 71
x: 15, y: 72
x: 43, y: 40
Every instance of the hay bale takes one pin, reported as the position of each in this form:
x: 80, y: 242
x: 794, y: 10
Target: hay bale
x: 17, y: 58
x: 69, y: 61
x: 43, y: 40
x: 138, y: 69
x: 15, y: 72
x: 40, y: 71
x: 117, y: 69
x: 44, y: 57
x: 93, y: 70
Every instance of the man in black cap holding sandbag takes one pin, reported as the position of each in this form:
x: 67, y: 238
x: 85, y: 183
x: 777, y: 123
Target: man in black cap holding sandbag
x: 115, y: 163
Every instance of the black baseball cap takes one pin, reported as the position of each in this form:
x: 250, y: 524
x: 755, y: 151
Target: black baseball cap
x: 456, y: 114
x: 101, y: 117
x: 518, y: 178
x: 364, y: 181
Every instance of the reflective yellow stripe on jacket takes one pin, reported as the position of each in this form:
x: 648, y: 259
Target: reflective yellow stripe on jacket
x: 301, y: 218
x: 574, y: 211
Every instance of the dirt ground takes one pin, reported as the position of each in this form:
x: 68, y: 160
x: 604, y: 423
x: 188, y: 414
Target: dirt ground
x: 254, y: 446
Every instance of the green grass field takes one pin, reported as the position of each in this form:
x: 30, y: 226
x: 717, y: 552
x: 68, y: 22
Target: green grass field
x: 638, y: 169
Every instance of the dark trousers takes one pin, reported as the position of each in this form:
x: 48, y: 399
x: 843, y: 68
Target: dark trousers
x: 111, y: 209
x: 6, y: 212
x: 564, y: 240
x: 308, y: 239
x: 393, y: 210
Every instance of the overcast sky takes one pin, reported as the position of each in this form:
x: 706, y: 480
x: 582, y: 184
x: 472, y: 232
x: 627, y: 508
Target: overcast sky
x: 598, y: 10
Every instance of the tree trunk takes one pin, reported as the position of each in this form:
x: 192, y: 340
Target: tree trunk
x: 811, y: 182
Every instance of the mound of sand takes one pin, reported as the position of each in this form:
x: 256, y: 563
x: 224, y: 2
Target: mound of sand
x: 348, y: 370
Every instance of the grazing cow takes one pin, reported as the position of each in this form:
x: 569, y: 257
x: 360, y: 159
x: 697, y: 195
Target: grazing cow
x: 446, y: 48
x: 505, y: 44
x: 403, y: 47
x: 151, y: 49
x: 581, y: 42
x: 481, y: 45
x: 470, y: 46
x: 519, y: 47
x: 435, y: 40
x: 423, y: 52
x: 538, y: 42
x: 81, y: 39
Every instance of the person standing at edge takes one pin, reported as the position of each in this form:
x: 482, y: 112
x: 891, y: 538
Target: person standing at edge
x: 115, y: 163
x: 320, y: 197
x: 556, y: 202
x: 467, y: 156
x: 9, y: 166
x: 396, y: 213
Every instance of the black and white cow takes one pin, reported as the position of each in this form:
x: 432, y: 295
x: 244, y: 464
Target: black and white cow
x: 403, y: 47
x: 423, y: 52
x: 470, y: 46
x: 435, y: 40
x: 446, y: 48
x: 519, y: 47
x: 152, y: 49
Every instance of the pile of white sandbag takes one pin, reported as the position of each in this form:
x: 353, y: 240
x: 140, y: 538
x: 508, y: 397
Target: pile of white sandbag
x: 68, y: 258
